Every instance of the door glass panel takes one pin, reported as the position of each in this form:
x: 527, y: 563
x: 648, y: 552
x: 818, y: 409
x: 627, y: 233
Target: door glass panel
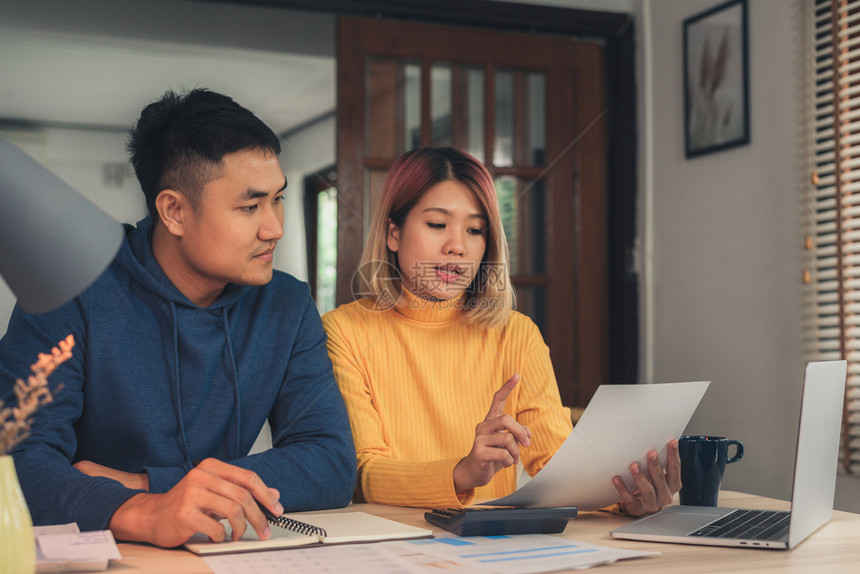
x: 440, y: 105
x: 474, y: 98
x: 522, y: 204
x: 503, y: 149
x: 326, y: 249
x: 411, y: 108
x: 536, y: 119
x: 506, y: 190
x: 520, y: 118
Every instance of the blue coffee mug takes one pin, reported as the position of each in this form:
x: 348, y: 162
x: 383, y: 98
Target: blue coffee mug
x: 703, y: 463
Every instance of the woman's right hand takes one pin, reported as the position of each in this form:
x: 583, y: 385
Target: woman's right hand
x: 497, y: 441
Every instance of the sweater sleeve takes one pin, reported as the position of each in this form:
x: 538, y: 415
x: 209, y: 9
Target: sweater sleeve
x: 539, y: 405
x: 382, y: 478
x: 55, y: 491
x: 312, y: 460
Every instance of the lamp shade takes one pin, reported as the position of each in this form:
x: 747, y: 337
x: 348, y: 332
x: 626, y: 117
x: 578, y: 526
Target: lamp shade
x: 53, y: 241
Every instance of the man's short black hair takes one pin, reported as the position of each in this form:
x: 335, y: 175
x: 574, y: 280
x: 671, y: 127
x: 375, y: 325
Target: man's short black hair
x: 180, y: 140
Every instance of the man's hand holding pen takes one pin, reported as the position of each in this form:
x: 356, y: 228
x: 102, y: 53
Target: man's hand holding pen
x: 212, y: 490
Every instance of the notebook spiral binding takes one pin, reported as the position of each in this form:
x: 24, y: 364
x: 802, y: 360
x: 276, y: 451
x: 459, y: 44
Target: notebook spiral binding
x: 297, y: 526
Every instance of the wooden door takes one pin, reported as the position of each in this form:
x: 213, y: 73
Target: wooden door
x: 533, y: 109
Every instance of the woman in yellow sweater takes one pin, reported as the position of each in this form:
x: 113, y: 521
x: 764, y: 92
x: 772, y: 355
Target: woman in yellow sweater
x: 447, y: 388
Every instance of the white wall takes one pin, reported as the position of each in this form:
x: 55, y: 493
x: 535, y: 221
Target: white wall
x: 721, y: 242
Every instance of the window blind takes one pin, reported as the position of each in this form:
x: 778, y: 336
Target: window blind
x: 832, y: 313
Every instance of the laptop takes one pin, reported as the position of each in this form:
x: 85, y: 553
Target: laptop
x: 814, y: 485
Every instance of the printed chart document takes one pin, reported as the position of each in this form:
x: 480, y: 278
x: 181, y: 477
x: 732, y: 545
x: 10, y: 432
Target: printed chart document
x: 312, y: 528
x: 621, y: 424
x: 519, y: 554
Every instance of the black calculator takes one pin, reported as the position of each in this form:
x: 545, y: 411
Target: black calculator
x: 498, y: 520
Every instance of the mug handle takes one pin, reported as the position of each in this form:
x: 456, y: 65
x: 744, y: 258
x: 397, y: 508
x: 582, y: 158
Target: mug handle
x: 739, y: 453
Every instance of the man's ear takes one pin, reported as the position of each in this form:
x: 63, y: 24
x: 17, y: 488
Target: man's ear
x: 393, y: 239
x: 172, y: 207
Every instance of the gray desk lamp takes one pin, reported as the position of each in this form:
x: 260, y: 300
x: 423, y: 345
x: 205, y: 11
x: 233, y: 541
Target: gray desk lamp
x: 53, y: 242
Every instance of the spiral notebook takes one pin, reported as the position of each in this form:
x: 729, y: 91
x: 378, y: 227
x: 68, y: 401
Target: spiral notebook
x: 309, y: 529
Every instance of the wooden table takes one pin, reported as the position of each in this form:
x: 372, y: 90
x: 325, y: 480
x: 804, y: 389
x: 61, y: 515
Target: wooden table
x: 834, y: 548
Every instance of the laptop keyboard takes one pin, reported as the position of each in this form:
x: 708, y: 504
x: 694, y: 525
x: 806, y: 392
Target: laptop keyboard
x: 748, y: 524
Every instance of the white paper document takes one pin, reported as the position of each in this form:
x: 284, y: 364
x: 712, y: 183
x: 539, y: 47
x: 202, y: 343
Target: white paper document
x: 621, y: 424
x: 352, y: 558
x: 64, y: 548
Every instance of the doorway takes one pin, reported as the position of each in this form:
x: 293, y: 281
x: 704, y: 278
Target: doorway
x: 534, y: 109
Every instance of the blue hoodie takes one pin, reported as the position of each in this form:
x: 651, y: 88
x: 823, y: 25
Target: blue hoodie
x: 157, y: 384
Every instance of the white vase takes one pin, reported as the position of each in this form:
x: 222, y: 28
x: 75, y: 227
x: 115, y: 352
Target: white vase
x: 17, y: 546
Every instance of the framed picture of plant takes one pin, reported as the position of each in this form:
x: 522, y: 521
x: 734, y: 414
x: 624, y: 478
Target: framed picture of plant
x: 716, y: 79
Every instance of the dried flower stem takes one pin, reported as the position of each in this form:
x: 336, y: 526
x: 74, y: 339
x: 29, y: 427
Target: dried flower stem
x: 15, y: 421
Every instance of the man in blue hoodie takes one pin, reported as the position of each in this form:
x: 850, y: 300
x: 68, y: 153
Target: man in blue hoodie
x: 186, y: 345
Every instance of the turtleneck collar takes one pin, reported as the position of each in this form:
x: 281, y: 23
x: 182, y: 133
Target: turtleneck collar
x: 426, y: 311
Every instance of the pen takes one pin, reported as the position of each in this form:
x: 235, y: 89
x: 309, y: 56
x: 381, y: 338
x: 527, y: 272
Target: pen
x: 271, y: 518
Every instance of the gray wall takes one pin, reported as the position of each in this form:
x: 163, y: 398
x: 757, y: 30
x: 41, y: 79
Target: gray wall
x: 721, y: 240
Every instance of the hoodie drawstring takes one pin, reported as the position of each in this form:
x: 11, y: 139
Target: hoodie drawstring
x: 226, y: 321
x: 177, y: 390
x: 177, y: 387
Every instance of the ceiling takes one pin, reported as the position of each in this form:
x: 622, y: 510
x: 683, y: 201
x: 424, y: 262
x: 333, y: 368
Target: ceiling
x: 95, y: 64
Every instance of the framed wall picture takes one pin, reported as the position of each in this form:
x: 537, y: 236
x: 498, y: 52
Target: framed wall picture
x: 716, y: 79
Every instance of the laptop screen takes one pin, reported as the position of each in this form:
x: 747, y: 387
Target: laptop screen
x: 817, y: 453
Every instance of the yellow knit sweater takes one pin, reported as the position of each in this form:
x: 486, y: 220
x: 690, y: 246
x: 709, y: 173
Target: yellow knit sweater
x: 416, y: 380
